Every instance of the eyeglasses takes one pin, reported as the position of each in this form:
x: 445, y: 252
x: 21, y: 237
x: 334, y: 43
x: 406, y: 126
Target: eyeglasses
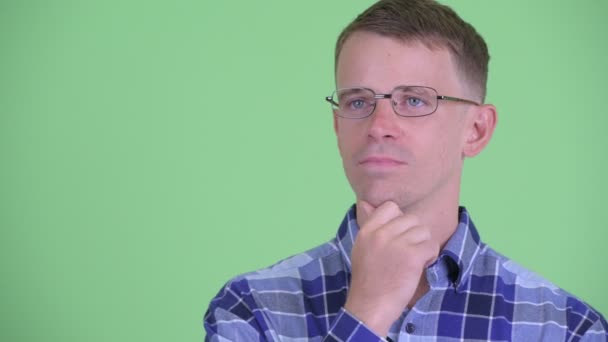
x: 359, y: 103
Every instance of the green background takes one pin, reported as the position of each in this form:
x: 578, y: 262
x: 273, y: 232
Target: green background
x: 149, y: 151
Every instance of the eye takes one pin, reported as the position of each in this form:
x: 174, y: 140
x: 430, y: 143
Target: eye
x: 357, y: 104
x: 414, y: 101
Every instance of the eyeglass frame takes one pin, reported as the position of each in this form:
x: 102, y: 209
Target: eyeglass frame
x: 330, y: 99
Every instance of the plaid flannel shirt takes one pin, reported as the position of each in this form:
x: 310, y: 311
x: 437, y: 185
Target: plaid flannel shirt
x: 475, y: 294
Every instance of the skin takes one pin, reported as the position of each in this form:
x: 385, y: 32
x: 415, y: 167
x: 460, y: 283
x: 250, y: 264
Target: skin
x: 405, y: 172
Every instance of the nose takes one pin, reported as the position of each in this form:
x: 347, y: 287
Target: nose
x: 384, y: 122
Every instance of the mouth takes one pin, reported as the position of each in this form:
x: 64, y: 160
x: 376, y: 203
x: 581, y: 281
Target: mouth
x: 381, y: 162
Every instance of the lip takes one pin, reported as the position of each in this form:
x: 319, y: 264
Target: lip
x: 381, y: 161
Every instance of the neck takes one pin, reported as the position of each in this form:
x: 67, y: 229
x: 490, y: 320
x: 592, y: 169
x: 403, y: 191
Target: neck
x: 442, y: 220
x: 439, y: 209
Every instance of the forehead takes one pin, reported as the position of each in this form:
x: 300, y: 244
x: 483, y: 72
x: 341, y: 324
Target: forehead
x: 382, y: 63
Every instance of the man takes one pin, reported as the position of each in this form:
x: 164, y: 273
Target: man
x: 407, y: 262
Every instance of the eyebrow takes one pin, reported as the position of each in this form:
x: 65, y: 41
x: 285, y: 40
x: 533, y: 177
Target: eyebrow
x: 348, y: 91
x: 351, y: 92
x: 415, y: 89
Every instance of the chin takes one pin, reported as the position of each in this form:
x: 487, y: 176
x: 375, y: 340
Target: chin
x: 377, y: 191
x: 376, y: 197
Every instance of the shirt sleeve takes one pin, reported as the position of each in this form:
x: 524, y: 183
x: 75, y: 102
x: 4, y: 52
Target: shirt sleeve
x: 598, y: 332
x: 229, y: 328
x: 348, y: 328
x: 231, y: 316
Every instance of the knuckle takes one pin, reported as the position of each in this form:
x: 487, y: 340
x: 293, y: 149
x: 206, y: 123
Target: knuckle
x: 392, y: 205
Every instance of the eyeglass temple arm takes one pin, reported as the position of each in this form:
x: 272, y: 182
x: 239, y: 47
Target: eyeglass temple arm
x: 457, y: 99
x: 330, y: 99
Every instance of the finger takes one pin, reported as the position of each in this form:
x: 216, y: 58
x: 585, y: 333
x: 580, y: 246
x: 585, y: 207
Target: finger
x: 383, y: 214
x: 364, y: 210
x: 412, y: 234
x: 429, y: 251
x: 399, y: 225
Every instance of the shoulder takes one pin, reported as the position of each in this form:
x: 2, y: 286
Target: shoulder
x: 257, y: 303
x: 308, y: 264
x: 536, y: 300
x: 491, y: 262
x: 288, y: 276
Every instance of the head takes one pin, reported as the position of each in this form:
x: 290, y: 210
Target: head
x: 432, y: 24
x: 413, y: 161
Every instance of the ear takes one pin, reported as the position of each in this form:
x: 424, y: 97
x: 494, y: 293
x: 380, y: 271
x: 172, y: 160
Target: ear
x: 480, y: 129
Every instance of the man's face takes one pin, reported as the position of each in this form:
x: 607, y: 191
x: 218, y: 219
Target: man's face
x: 413, y: 161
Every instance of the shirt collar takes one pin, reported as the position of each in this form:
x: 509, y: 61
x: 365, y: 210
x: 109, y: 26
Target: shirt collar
x: 457, y: 256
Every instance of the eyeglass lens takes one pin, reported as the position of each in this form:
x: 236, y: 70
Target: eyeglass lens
x: 406, y: 101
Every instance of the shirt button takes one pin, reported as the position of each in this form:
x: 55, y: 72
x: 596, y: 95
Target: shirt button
x: 410, y: 328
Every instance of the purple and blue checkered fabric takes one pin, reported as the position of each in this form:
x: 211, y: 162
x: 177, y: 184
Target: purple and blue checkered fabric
x: 476, y: 295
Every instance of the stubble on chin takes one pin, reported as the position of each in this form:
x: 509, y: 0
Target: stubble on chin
x: 376, y: 193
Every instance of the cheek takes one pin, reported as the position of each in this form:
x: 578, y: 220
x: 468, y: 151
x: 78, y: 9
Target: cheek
x: 443, y: 147
x: 347, y: 142
x: 345, y: 150
x: 342, y: 144
x: 450, y: 144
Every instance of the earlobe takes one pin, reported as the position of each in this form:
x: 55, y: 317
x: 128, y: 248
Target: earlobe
x: 480, y: 130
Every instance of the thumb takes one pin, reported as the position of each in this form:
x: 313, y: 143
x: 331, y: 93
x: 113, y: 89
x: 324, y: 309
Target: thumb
x: 364, y: 211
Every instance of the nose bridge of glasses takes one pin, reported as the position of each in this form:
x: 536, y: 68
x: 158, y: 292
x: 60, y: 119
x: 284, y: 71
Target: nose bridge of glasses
x: 389, y: 105
x: 384, y: 96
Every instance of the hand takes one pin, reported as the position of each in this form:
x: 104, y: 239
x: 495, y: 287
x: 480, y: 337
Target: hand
x: 388, y: 259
